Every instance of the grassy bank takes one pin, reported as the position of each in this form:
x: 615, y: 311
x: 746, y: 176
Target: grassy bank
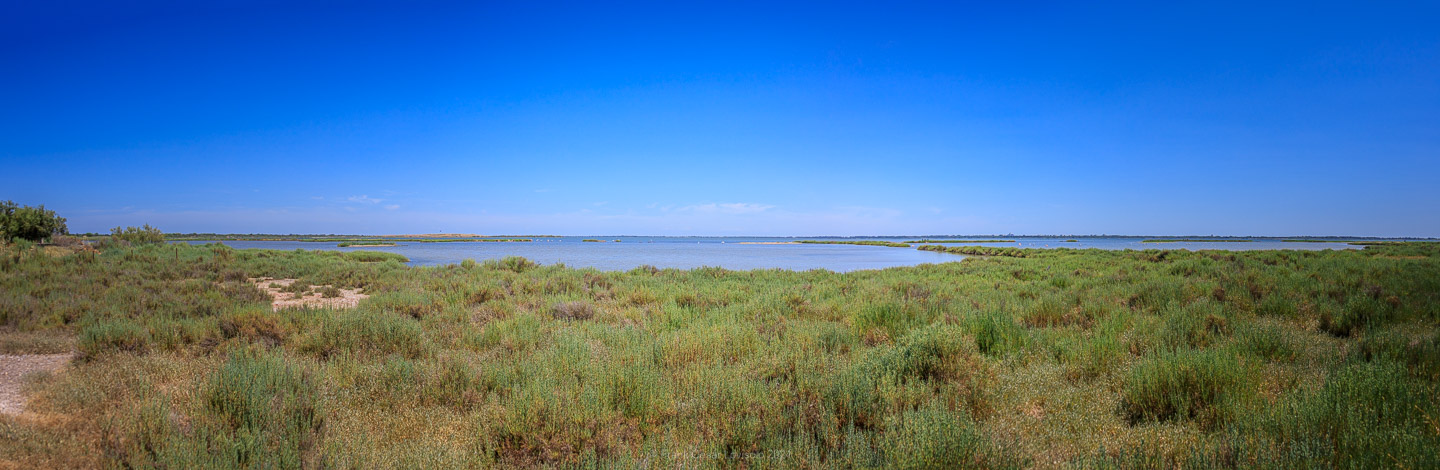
x: 333, y: 239
x: 1039, y: 357
x: 959, y: 241
x: 856, y: 242
x: 407, y: 240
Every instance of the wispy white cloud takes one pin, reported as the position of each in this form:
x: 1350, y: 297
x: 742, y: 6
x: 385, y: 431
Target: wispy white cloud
x: 392, y: 206
x: 364, y: 199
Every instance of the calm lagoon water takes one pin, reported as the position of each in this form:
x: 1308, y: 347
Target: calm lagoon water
x: 738, y: 253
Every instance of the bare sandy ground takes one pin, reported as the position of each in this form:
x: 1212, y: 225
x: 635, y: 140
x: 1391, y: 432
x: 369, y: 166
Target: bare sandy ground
x: 13, y: 370
x: 348, y: 298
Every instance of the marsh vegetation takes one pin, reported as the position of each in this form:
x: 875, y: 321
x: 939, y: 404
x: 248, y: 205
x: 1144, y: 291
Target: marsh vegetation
x: 1027, y: 358
x: 856, y: 242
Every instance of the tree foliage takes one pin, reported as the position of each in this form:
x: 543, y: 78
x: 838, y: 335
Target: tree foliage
x: 29, y: 223
x: 138, y: 235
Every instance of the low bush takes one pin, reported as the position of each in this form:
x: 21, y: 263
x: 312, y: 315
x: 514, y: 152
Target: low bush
x: 1358, y: 313
x: 573, y: 310
x: 145, y: 235
x: 1202, y: 386
x: 366, y: 332
x: 253, y: 324
x: 935, y: 437
x: 996, y: 333
x: 375, y: 256
x: 413, y: 304
x: 119, y: 335
x: 1367, y: 415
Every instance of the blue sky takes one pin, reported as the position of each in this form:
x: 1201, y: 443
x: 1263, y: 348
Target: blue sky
x: 726, y: 118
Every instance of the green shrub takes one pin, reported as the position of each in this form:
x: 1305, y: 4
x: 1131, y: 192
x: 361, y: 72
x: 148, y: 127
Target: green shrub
x: 1276, y: 305
x: 253, y: 324
x: 367, y: 333
x: 1420, y: 353
x: 375, y: 256
x: 1196, y: 325
x: 934, y: 437
x: 516, y: 264
x: 574, y: 310
x: 931, y: 353
x: 121, y: 335
x: 889, y: 319
x: 1203, y: 386
x: 996, y: 333
x: 29, y: 223
x: 266, y: 413
x: 413, y: 304
x: 1358, y: 313
x: 452, y: 383
x: 1268, y: 342
x: 138, y: 235
x: 1367, y: 415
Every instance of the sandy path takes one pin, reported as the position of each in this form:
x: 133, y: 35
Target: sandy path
x: 348, y: 298
x: 13, y: 370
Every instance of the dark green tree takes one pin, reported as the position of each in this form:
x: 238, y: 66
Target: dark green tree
x: 29, y: 223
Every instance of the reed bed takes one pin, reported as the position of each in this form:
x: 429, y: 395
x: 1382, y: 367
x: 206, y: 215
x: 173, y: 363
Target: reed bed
x: 1026, y: 358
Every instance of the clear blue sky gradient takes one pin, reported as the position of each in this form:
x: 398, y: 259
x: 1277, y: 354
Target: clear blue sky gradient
x: 726, y: 118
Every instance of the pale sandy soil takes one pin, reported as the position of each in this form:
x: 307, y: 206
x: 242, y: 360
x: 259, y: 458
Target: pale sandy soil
x: 13, y: 370
x: 348, y: 298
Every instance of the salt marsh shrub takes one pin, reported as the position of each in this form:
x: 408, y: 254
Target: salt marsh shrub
x: 266, y: 412
x: 934, y: 437
x: 1203, y: 386
x: 365, y: 332
x: 573, y: 310
x: 121, y: 335
x: 145, y: 235
x: 1367, y: 415
x: 996, y: 333
x: 1359, y: 312
x: 413, y: 304
x: 253, y: 324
